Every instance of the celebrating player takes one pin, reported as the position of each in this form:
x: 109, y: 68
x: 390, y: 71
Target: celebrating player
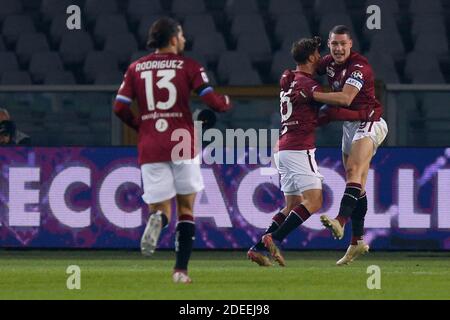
x: 352, y: 80
x: 301, y: 181
x: 161, y: 84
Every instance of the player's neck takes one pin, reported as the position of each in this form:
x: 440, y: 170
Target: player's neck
x: 306, y: 68
x: 167, y: 50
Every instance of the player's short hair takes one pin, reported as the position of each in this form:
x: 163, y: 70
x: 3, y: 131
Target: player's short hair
x: 161, y: 31
x: 304, y: 48
x: 340, y: 29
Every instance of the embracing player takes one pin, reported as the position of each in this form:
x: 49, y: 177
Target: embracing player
x: 352, y: 80
x: 301, y: 181
x: 161, y: 83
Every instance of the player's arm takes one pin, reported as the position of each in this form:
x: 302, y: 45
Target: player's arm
x: 215, y: 101
x: 122, y: 103
x: 122, y: 109
x: 343, y: 98
x: 332, y: 113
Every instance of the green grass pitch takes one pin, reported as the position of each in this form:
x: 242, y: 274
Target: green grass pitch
x: 222, y: 275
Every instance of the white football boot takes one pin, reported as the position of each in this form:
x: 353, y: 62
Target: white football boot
x: 181, y: 277
x: 353, y: 252
x: 151, y: 234
x: 335, y: 227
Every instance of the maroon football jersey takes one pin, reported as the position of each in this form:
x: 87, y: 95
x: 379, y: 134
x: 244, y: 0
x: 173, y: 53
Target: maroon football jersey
x: 161, y: 83
x: 357, y: 72
x: 299, y: 118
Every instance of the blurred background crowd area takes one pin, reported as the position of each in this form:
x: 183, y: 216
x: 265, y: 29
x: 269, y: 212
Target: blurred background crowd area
x: 242, y: 43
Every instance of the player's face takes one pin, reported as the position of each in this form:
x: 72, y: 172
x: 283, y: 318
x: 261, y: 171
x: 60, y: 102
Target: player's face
x: 181, y: 41
x: 340, y: 47
x: 316, y: 58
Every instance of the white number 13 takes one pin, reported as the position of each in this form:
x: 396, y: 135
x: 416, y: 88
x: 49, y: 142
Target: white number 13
x: 163, y: 83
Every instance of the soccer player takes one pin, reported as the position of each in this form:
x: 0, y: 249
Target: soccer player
x: 301, y: 181
x: 161, y: 83
x: 352, y: 80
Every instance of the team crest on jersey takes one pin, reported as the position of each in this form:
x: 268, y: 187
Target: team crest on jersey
x: 330, y: 72
x: 357, y: 75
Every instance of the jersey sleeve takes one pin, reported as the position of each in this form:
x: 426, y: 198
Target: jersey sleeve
x: 323, y: 64
x: 197, y: 76
x: 358, y: 74
x: 126, y: 93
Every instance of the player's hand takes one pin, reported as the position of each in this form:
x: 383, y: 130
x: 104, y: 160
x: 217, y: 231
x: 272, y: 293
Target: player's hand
x: 207, y: 117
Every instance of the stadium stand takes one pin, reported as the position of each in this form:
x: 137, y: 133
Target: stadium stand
x: 242, y: 43
x: 270, y: 26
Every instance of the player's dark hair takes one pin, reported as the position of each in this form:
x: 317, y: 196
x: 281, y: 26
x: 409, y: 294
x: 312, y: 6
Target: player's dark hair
x: 304, y: 48
x: 341, y: 29
x: 161, y: 31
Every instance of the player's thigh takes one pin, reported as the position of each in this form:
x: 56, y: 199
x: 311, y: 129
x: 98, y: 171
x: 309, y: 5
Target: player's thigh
x: 185, y: 204
x: 187, y: 176
x: 361, y: 154
x: 158, y: 182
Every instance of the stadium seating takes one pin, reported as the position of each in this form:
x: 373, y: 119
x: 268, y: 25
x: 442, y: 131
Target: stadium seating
x: 122, y: 45
x: 210, y: 45
x: 291, y: 25
x: 75, y: 46
x: 182, y: 8
x: 52, y: 8
x: 247, y: 24
x: 261, y: 30
x: 234, y: 7
x: 30, y: 43
x: 139, y: 9
x: 8, y: 62
x: 99, y: 62
x: 9, y: 7
x: 95, y: 8
x: 43, y: 63
x: 198, y: 24
x: 109, y: 24
x: 284, y: 7
x: 232, y: 62
x: 425, y: 7
x: 59, y: 78
x: 15, y: 25
x: 16, y: 78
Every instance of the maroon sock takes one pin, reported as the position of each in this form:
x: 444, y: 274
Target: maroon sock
x: 342, y: 220
x: 355, y: 240
x: 297, y: 216
x: 277, y: 221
